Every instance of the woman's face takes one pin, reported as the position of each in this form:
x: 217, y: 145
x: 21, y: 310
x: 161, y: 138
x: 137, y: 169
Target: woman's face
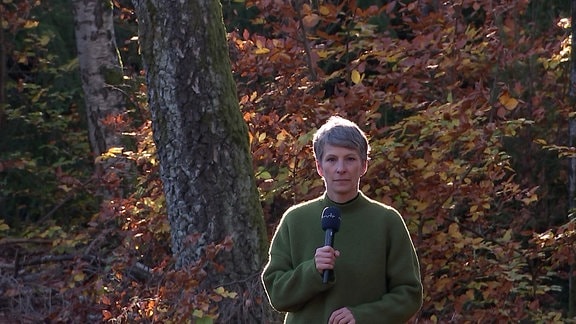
x: 341, y: 169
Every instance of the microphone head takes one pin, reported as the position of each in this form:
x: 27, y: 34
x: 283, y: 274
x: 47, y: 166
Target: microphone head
x: 331, y: 219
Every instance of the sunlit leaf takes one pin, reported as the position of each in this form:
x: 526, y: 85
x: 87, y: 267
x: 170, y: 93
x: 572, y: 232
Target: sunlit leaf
x: 32, y: 24
x: 116, y: 150
x: 507, y: 101
x: 106, y: 315
x: 356, y: 77
x: 197, y: 313
x: 261, y: 50
x: 264, y: 175
x: 418, y: 163
x: 454, y: 231
x: 322, y: 53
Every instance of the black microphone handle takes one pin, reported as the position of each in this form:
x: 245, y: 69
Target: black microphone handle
x: 329, y: 237
x: 328, y: 240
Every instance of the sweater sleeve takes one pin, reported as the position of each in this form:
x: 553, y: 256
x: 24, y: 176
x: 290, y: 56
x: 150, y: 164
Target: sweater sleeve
x: 288, y: 285
x: 404, y: 296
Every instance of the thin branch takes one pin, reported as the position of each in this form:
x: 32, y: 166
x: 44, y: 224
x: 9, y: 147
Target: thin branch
x: 17, y: 240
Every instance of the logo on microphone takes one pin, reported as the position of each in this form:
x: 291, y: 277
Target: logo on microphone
x: 330, y: 215
x: 331, y: 218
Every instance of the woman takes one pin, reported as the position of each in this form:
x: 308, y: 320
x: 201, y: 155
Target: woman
x: 374, y: 262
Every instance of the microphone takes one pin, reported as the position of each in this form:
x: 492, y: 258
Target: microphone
x: 330, y: 225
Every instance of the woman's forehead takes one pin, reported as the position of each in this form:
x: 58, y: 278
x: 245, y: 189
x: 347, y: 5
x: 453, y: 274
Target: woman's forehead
x: 339, y: 150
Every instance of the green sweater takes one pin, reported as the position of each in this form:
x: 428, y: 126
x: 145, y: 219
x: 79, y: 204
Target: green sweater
x: 377, y: 275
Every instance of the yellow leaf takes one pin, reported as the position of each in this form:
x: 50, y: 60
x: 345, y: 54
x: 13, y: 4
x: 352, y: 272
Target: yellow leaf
x: 420, y: 206
x: 4, y: 226
x: 282, y: 136
x: 324, y: 11
x: 356, y: 77
x: 30, y: 24
x: 115, y: 150
x: 454, y: 231
x: 540, y: 141
x: 198, y: 313
x: 258, y: 21
x: 222, y: 292
x: 79, y: 276
x: 322, y: 54
x: 428, y: 174
x: 530, y: 199
x: 418, y: 163
x: 261, y: 50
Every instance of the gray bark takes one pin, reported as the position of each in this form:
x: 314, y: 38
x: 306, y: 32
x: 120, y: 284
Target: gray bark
x: 100, y: 69
x: 572, y: 171
x: 202, y: 142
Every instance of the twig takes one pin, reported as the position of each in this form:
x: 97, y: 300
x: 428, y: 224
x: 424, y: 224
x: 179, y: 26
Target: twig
x: 48, y: 259
x: 11, y: 241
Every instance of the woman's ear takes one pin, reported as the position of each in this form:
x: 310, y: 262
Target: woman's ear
x: 365, y: 167
x: 319, y: 169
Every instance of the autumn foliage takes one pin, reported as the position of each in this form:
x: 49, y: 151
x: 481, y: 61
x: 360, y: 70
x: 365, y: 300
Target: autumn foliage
x: 448, y: 93
x: 466, y: 104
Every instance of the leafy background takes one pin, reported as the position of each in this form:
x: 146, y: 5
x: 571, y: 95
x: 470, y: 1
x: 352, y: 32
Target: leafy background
x: 467, y: 105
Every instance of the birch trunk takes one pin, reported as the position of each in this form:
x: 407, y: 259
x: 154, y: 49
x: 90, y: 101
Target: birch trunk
x: 101, y: 71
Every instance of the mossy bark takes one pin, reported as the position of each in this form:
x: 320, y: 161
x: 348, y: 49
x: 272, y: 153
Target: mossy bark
x: 201, y: 138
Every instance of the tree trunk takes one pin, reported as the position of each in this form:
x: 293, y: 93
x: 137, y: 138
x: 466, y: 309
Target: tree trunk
x: 101, y: 71
x: 572, y: 184
x: 2, y: 71
x: 202, y: 144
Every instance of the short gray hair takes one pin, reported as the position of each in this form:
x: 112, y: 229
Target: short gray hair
x: 338, y: 131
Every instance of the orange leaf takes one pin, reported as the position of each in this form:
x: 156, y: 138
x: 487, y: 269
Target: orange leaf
x: 106, y: 315
x: 105, y: 300
x: 507, y: 101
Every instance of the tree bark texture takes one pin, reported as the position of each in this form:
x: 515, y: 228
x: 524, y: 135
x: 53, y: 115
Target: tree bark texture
x: 3, y: 48
x: 201, y: 137
x: 572, y: 177
x: 100, y: 70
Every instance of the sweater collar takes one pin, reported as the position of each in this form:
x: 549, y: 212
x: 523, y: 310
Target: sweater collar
x: 347, y: 205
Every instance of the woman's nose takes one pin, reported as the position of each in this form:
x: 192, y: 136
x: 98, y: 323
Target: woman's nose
x: 340, y: 167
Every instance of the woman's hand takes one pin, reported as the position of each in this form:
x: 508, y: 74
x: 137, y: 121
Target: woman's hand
x: 342, y: 316
x: 325, y: 258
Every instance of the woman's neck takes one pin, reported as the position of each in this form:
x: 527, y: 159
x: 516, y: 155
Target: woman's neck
x: 341, y: 200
